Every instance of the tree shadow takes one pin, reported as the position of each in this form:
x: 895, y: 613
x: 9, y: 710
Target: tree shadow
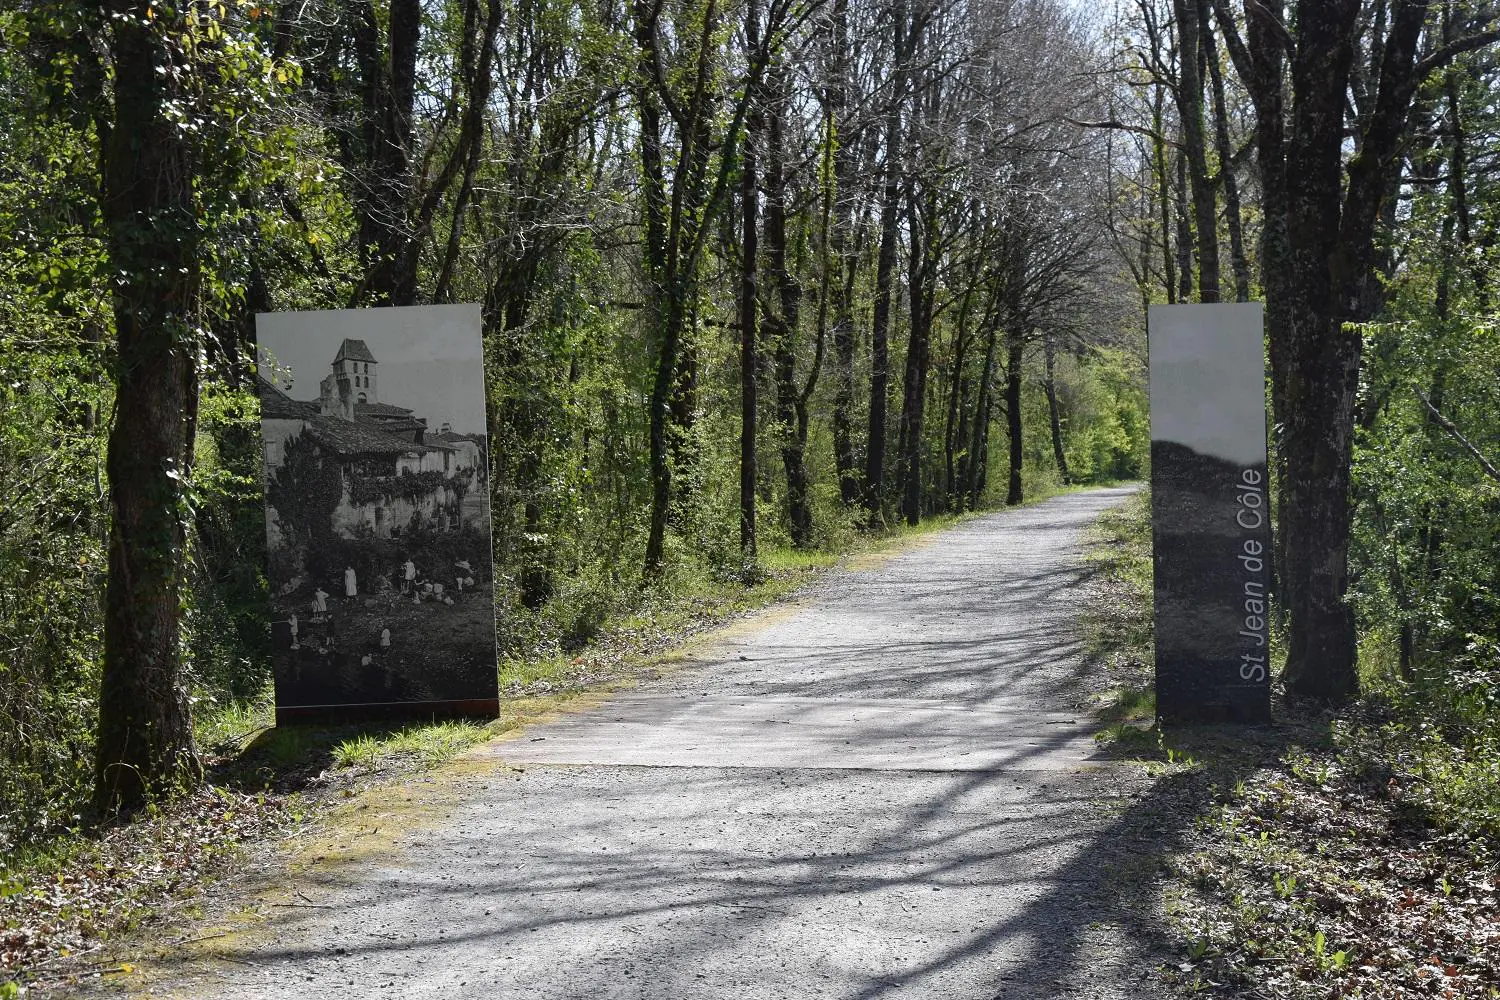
x: 571, y: 880
x: 674, y: 876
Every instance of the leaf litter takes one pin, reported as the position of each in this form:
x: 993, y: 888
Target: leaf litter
x: 58, y: 911
x: 1319, y: 877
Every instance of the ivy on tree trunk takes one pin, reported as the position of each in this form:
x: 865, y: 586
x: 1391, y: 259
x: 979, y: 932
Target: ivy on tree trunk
x: 145, y: 743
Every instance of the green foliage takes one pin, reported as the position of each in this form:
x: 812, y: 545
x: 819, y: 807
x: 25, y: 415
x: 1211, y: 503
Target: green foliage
x: 1109, y: 435
x: 54, y: 403
x: 1426, y: 546
x: 51, y: 572
x: 274, y: 110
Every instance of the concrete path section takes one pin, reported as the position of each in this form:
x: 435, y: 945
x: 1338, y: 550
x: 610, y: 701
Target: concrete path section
x: 780, y: 731
x: 887, y: 791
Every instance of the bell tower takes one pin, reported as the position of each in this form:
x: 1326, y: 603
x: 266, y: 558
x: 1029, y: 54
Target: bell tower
x: 355, y: 361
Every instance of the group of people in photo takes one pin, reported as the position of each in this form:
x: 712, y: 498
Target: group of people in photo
x: 319, y: 632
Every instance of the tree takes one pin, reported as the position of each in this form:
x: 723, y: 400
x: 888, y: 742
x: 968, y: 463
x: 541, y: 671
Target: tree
x: 147, y: 161
x: 749, y: 301
x: 784, y: 314
x: 1195, y: 148
x: 683, y: 196
x: 1322, y: 218
x: 905, y: 28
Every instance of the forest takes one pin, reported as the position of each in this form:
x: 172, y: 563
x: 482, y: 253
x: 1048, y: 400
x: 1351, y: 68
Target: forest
x: 756, y: 276
x: 752, y: 279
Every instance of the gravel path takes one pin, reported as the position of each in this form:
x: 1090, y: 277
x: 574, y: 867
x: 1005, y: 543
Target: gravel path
x: 883, y: 791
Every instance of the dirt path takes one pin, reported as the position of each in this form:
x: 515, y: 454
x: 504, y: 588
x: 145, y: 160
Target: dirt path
x: 883, y: 791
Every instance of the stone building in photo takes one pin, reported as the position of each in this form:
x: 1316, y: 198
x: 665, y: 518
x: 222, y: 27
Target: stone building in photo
x: 388, y: 471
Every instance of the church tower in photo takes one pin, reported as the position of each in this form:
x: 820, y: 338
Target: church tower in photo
x: 355, y: 362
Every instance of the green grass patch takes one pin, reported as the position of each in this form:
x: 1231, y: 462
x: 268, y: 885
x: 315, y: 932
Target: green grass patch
x: 222, y: 729
x: 428, y: 744
x: 1117, y: 622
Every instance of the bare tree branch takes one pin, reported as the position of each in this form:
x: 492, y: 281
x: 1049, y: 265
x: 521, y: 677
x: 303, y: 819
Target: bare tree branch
x: 1457, y: 435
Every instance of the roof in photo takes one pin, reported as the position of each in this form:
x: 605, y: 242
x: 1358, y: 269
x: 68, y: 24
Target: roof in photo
x: 277, y: 405
x: 354, y: 350
x: 392, y: 426
x: 348, y: 438
x: 380, y: 410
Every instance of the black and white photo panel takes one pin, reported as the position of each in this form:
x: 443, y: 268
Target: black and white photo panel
x: 377, y: 512
x: 1211, y: 535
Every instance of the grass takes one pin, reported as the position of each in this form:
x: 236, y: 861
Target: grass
x: 1117, y: 624
x: 427, y: 744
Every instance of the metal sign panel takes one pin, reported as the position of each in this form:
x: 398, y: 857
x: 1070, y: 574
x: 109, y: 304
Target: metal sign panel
x: 1211, y: 525
x: 377, y: 512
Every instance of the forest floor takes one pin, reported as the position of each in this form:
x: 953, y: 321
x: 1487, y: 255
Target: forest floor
x: 889, y: 787
x: 1348, y: 853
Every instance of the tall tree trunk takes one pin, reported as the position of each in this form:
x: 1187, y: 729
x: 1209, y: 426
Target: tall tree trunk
x: 914, y: 402
x: 885, y: 266
x: 1320, y: 380
x: 846, y: 461
x: 979, y: 431
x: 955, y: 402
x: 388, y: 93
x: 1163, y: 193
x: 1016, y: 351
x: 749, y: 353
x: 1184, y: 233
x: 1054, y: 412
x: 1195, y: 149
x: 1233, y: 218
x: 145, y: 745
x: 923, y: 228
x: 783, y: 326
x: 662, y: 306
